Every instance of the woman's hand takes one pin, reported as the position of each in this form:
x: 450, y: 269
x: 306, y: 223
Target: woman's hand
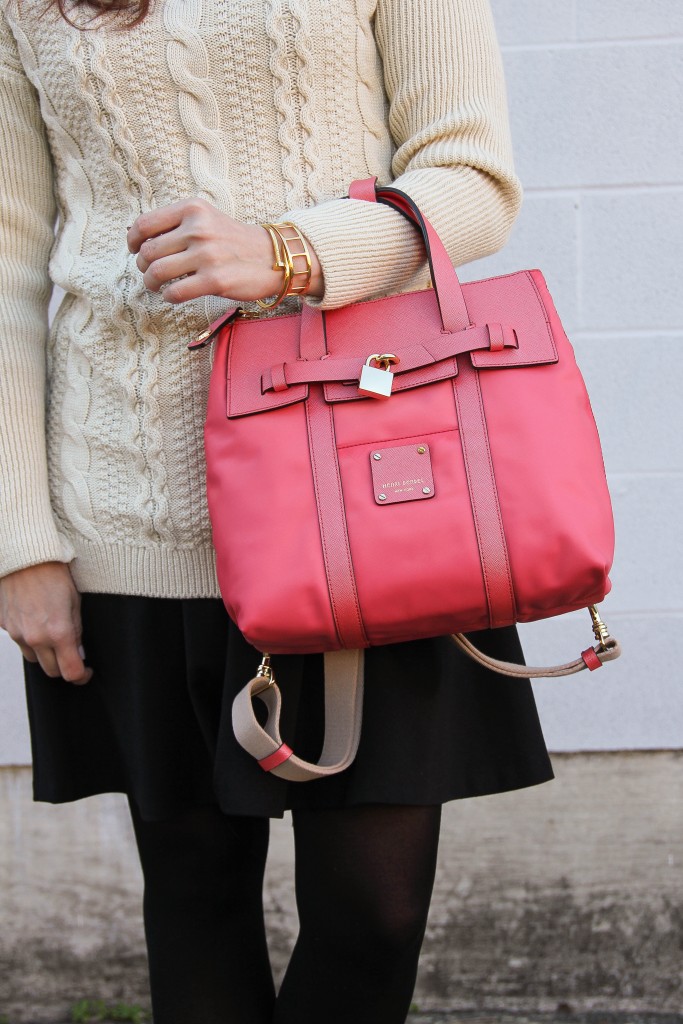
x: 212, y: 253
x: 41, y: 610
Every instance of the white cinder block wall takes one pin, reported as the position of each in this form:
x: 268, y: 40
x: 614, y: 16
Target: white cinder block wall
x: 596, y: 93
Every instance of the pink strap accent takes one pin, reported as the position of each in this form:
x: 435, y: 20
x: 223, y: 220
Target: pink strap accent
x: 341, y: 580
x: 484, y: 497
x: 282, y: 754
x: 449, y: 295
x: 278, y: 379
x: 208, y: 335
x: 447, y: 289
x: 496, y: 337
x: 431, y: 350
x: 312, y: 344
x: 363, y: 188
x: 591, y: 659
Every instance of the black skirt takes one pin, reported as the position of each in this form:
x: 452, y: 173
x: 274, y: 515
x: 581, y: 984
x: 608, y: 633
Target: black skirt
x: 155, y: 721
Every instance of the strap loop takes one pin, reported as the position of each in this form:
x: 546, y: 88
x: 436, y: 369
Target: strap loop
x: 344, y: 707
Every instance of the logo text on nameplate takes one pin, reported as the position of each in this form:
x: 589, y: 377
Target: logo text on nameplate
x: 403, y: 473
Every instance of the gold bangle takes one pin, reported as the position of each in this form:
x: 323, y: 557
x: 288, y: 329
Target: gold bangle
x: 285, y: 257
x: 279, y: 263
x: 291, y: 255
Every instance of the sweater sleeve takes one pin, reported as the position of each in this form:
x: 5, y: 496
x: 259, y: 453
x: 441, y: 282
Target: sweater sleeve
x: 448, y: 119
x: 28, y: 532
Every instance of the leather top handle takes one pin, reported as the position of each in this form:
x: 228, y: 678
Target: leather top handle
x: 447, y: 288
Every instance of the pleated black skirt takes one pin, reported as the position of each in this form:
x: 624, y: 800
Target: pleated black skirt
x: 155, y: 721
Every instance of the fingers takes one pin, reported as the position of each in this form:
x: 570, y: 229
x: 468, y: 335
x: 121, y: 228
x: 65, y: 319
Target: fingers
x: 191, y: 249
x: 155, y: 249
x: 157, y: 222
x: 40, y: 609
x: 194, y: 286
x: 167, y: 269
x: 63, y: 660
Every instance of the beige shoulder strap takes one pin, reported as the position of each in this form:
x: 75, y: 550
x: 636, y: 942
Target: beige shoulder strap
x: 344, y: 705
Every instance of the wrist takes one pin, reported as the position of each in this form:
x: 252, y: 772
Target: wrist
x: 317, y: 286
x: 273, y: 281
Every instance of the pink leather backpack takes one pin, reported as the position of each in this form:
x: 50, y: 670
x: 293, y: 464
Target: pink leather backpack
x: 407, y: 467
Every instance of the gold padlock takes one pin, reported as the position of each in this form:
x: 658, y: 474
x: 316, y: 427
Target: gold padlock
x: 377, y: 381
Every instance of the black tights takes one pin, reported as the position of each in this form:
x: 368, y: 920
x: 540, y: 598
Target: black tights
x: 364, y: 879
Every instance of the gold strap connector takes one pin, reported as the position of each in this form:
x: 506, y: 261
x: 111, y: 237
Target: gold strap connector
x: 600, y: 630
x: 265, y: 673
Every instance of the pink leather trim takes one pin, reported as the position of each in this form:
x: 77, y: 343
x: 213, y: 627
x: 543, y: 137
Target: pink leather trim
x: 431, y: 350
x: 334, y: 536
x: 278, y: 378
x: 454, y: 314
x: 496, y: 337
x: 363, y: 188
x: 282, y: 754
x: 312, y: 343
x: 591, y: 659
x: 208, y: 335
x: 401, y: 472
x: 488, y: 520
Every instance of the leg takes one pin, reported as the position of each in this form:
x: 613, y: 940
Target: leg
x: 203, y: 911
x: 364, y: 878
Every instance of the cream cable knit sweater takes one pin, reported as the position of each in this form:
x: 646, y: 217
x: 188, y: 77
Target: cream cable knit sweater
x: 266, y: 108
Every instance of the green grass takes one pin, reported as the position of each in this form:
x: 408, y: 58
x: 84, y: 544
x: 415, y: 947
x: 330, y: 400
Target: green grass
x: 94, y: 1011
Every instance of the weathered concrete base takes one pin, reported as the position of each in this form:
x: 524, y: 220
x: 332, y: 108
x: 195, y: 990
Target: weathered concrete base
x: 567, y: 895
x: 515, y: 1017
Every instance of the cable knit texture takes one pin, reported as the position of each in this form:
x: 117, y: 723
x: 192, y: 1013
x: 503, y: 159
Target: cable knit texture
x: 266, y: 108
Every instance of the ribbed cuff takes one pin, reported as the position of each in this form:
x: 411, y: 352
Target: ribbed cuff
x: 367, y: 249
x: 158, y: 571
x: 364, y: 249
x: 30, y: 536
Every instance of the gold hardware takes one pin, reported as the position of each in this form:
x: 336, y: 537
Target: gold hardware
x: 248, y: 314
x: 265, y: 672
x: 600, y: 630
x: 265, y: 669
x: 421, y: 450
x: 386, y: 360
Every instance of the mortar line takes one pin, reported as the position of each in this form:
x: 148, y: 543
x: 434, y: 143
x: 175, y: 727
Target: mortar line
x: 578, y: 214
x: 645, y: 474
x: 590, y: 44
x: 635, y: 188
x: 613, y: 334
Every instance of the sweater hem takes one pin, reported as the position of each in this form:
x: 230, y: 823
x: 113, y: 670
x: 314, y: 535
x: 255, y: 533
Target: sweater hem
x: 145, y: 571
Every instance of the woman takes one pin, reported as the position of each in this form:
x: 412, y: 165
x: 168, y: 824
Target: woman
x: 161, y: 139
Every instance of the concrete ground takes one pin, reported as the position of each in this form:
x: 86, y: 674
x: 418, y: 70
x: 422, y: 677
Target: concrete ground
x: 507, y: 1017
x: 558, y: 904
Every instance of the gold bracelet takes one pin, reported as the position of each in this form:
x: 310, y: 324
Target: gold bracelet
x: 278, y: 264
x: 285, y: 257
x: 301, y: 252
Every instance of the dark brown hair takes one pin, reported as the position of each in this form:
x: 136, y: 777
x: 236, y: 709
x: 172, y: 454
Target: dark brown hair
x: 134, y: 10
